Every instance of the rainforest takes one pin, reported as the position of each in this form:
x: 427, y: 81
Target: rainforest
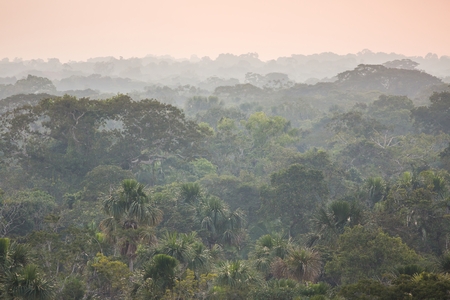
x: 307, y: 177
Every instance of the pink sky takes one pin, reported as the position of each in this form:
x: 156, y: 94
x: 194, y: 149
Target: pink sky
x: 77, y: 30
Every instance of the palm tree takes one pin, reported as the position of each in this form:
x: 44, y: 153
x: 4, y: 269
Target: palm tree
x: 214, y: 215
x: 376, y: 188
x: 28, y: 284
x: 236, y: 274
x: 405, y: 181
x: 13, y: 255
x: 190, y: 192
x: 434, y: 182
x: 233, y: 228
x: 262, y: 254
x: 131, y: 216
x: 18, y: 278
x: 304, y: 264
x: 187, y: 248
x: 330, y: 221
x: 267, y: 248
x: 201, y: 257
x: 444, y: 263
x: 300, y: 263
x: 161, y: 270
x: 176, y: 245
x: 220, y: 224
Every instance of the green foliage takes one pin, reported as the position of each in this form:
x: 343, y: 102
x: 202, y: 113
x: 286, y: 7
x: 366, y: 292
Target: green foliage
x: 386, y: 103
x: 179, y: 216
x: 185, y: 248
x: 200, y: 103
x: 354, y: 181
x: 415, y: 210
x: 29, y: 85
x: 235, y: 191
x: 362, y: 253
x: 300, y: 263
x: 74, y: 288
x: 330, y: 221
x: 287, y: 289
x: 236, y: 275
x: 20, y: 279
x: 214, y: 116
x: 294, y: 192
x: 202, y: 167
x: 434, y: 118
x: 277, y: 290
x: 419, y: 286
x: 131, y: 214
x: 263, y: 127
x: 24, y: 211
x: 190, y: 192
x: 369, y: 289
x: 376, y: 188
x: 444, y: 263
x: 410, y: 270
x: 355, y: 123
x: 190, y: 287
x: 28, y: 284
x: 109, y: 276
x: 394, y: 112
x: 445, y: 157
x: 226, y: 124
x: 266, y: 249
x: 159, y: 274
x: 102, y: 180
x: 64, y: 138
x: 221, y: 225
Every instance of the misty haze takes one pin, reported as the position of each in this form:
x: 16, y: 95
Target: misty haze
x: 240, y: 172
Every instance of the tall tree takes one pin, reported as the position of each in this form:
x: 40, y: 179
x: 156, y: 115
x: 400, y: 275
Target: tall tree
x: 63, y: 138
x: 237, y: 277
x: 362, y: 253
x: 434, y: 118
x: 301, y: 264
x: 292, y: 195
x: 158, y: 277
x: 266, y: 249
x: 19, y: 279
x: 330, y: 221
x: 220, y: 224
x: 131, y: 216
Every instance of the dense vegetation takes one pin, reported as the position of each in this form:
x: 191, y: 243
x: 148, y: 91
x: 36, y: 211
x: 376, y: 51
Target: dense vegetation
x: 337, y: 190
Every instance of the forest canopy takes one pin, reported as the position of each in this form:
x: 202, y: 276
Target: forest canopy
x: 265, y: 188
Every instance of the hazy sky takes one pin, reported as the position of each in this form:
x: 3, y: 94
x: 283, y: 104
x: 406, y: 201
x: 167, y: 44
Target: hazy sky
x: 80, y: 29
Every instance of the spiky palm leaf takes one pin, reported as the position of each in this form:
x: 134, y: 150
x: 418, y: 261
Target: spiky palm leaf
x: 216, y: 252
x: 265, y: 241
x: 304, y: 264
x: 201, y: 257
x: 236, y: 274
x: 129, y: 209
x: 4, y: 249
x: 161, y: 269
x: 330, y: 221
x: 376, y: 188
x: 279, y: 268
x: 19, y: 255
x: 214, y: 210
x: 190, y: 192
x: 28, y: 284
x: 262, y: 259
x: 172, y: 244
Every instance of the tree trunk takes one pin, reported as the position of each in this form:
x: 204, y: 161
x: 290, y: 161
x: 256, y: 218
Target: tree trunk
x: 131, y: 264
